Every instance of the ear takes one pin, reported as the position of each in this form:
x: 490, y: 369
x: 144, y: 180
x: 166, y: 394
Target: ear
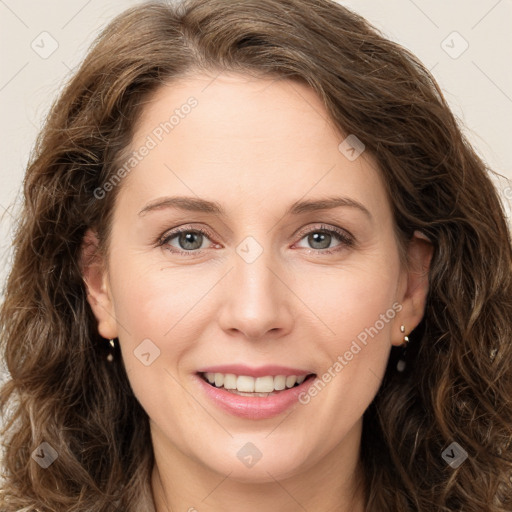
x: 414, y: 296
x: 95, y: 277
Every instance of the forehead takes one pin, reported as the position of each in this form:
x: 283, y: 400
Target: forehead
x: 251, y: 138
x: 255, y: 113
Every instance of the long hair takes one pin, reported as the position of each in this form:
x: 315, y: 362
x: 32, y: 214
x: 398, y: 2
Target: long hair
x: 457, y: 386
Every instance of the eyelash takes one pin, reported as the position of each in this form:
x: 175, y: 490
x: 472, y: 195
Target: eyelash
x: 346, y: 240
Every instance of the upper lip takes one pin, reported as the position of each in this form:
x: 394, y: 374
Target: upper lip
x: 260, y: 371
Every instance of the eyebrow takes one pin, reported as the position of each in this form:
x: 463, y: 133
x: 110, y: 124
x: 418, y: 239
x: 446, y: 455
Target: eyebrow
x: 195, y: 204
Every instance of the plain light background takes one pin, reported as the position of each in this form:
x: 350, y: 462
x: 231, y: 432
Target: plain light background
x: 467, y: 44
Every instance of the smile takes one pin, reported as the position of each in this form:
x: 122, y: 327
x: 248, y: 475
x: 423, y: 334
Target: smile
x: 246, y: 385
x: 253, y: 397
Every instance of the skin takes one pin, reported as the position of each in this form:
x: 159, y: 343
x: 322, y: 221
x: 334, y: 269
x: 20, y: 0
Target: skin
x: 247, y: 141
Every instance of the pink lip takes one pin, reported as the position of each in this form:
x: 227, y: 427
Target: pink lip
x: 254, y: 408
x: 261, y: 371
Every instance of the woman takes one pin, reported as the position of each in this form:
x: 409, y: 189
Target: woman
x: 178, y: 341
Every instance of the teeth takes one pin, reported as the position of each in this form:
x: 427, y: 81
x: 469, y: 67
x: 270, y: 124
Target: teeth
x: 230, y: 381
x: 279, y: 382
x: 246, y: 384
x: 264, y: 384
x: 290, y: 381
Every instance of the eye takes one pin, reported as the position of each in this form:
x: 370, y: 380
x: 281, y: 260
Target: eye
x: 189, y: 241
x: 320, y: 239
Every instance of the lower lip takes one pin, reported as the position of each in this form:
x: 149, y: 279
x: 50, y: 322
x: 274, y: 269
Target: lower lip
x: 255, y: 408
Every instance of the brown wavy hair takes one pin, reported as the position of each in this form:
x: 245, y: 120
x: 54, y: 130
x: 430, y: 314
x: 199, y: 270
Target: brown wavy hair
x: 458, y: 382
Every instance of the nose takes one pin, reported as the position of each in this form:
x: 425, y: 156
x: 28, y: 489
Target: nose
x: 257, y: 303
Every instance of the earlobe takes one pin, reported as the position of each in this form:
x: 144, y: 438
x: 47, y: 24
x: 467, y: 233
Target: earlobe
x: 94, y: 274
x: 419, y: 255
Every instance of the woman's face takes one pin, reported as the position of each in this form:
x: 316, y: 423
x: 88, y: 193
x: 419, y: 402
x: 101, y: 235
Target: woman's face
x: 296, y: 272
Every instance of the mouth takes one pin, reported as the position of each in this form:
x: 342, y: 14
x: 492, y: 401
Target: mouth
x: 267, y: 393
x: 261, y: 387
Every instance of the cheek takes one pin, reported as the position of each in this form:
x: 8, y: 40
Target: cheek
x: 358, y: 310
x: 158, y: 314
x: 350, y: 301
x: 171, y: 308
x: 361, y: 314
x: 151, y: 298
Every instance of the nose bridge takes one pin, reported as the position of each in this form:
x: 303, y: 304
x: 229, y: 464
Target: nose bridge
x: 256, y: 298
x: 252, y: 272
